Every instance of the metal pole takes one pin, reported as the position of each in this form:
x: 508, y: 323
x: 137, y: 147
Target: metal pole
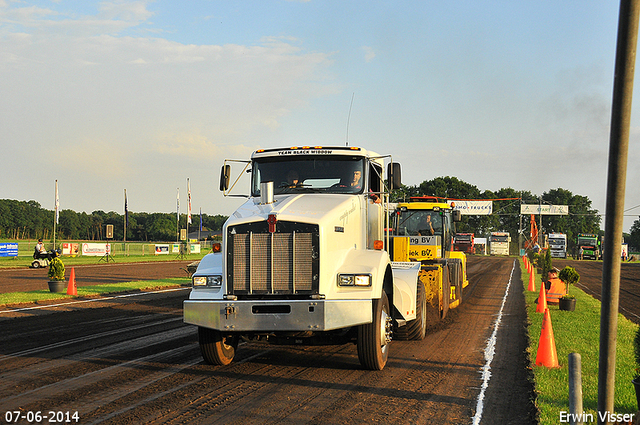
x: 55, y: 216
x: 575, y: 389
x: 540, y: 239
x: 616, y: 181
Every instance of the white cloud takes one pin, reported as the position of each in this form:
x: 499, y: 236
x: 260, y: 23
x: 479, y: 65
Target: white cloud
x: 369, y: 54
x: 97, y: 107
x: 128, y: 11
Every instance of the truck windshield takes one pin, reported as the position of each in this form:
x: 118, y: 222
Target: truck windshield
x: 418, y: 223
x: 499, y: 239
x: 312, y: 174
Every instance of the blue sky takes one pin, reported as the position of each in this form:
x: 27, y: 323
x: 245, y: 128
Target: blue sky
x: 141, y: 95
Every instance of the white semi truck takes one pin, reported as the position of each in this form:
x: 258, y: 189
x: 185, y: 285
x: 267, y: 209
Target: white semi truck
x: 499, y: 243
x: 557, y: 245
x: 305, y: 259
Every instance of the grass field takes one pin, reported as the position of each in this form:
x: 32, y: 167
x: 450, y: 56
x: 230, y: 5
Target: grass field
x: 123, y: 252
x: 578, y: 332
x: 81, y: 260
x: 17, y: 298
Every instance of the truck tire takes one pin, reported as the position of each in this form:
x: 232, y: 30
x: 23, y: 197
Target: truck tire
x: 216, y: 348
x: 416, y: 329
x: 374, y: 338
x: 456, y: 279
x: 446, y: 292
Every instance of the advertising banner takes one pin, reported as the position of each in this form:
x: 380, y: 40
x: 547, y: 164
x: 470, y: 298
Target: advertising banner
x: 544, y: 209
x: 8, y: 249
x: 96, y: 249
x: 70, y: 249
x: 474, y: 207
x: 195, y: 248
x: 162, y: 249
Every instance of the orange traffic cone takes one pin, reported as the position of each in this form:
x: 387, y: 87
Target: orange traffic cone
x: 532, y: 281
x: 542, y: 299
x: 72, y: 289
x: 547, y: 355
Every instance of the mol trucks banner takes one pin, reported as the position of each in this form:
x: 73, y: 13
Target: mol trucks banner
x: 544, y: 209
x: 474, y: 207
x: 96, y: 249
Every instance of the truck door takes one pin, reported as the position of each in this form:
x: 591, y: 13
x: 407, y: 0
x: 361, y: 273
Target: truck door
x: 375, y: 219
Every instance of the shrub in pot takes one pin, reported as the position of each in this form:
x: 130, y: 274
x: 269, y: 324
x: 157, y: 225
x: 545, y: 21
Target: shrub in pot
x: 569, y: 276
x: 56, y: 275
x: 547, y: 263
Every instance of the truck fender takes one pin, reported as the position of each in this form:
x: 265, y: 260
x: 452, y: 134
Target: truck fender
x: 210, y: 264
x: 370, y: 262
x: 405, y: 288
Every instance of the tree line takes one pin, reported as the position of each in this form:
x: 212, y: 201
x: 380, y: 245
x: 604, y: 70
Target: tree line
x: 506, y: 216
x: 28, y: 220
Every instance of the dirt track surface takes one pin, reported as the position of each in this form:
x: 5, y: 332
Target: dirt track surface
x: 591, y: 282
x: 132, y: 360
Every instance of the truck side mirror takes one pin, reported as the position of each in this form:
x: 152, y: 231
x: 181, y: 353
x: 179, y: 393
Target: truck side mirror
x: 457, y: 216
x: 395, y: 175
x: 225, y: 175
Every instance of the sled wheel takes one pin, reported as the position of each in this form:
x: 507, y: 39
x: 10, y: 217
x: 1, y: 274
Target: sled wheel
x: 418, y: 328
x: 374, y: 338
x: 216, y: 348
x: 35, y: 264
x: 446, y: 292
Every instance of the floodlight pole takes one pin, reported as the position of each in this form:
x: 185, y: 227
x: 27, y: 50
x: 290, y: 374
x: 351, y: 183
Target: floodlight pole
x: 614, y: 210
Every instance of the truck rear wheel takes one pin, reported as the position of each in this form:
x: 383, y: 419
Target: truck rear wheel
x: 216, y: 348
x: 374, y: 338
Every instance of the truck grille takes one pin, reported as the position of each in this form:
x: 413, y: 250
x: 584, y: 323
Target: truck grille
x: 280, y: 263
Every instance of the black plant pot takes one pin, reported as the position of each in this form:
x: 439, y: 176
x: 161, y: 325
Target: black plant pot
x: 636, y: 383
x: 57, y: 286
x: 567, y: 304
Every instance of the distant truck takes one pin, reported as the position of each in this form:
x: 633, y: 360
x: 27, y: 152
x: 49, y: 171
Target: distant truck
x: 625, y: 251
x: 557, y: 245
x: 590, y: 246
x: 499, y: 243
x: 463, y: 242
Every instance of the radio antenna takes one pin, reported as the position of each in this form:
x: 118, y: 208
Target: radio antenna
x: 349, y: 118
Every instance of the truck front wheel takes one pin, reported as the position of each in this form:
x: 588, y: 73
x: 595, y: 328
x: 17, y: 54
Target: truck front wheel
x: 217, y: 348
x: 374, y: 338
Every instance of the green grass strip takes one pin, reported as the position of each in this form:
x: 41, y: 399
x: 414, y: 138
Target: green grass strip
x: 578, y: 332
x: 17, y: 298
x: 24, y: 262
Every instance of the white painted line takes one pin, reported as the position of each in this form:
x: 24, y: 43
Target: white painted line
x: 489, y: 352
x: 92, y: 300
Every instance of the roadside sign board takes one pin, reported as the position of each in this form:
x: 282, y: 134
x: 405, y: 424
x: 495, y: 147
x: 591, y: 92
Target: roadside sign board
x: 544, y: 209
x: 8, y: 249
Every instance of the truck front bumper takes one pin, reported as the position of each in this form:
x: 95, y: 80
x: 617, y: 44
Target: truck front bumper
x: 273, y: 316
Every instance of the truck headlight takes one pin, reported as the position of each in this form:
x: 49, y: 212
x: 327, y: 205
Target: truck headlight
x: 354, y: 280
x: 204, y: 281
